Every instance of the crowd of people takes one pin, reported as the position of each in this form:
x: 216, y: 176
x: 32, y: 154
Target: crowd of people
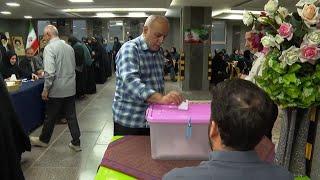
x: 226, y: 66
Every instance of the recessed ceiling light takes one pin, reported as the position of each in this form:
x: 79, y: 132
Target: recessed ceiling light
x: 28, y: 17
x: 81, y: 1
x: 105, y: 14
x: 13, y: 4
x: 116, y: 10
x: 137, y: 14
x: 5, y: 12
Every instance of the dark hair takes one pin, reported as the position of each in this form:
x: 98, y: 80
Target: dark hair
x: 247, y: 54
x: 116, y: 38
x: 174, y: 49
x: 243, y: 113
x: 73, y: 40
x: 3, y: 36
x: 130, y: 37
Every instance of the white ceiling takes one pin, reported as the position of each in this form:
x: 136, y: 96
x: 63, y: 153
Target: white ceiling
x: 53, y: 8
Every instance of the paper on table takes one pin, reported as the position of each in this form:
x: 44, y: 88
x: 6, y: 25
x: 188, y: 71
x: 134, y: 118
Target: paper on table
x: 184, y: 105
x: 13, y: 77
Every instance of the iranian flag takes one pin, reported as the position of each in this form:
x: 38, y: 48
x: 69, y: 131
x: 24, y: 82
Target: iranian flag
x: 32, y: 40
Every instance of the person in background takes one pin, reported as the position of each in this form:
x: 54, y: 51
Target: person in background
x: 240, y: 117
x: 176, y: 57
x: 59, y: 89
x: 90, y: 83
x: 116, y: 47
x: 31, y: 64
x: 235, y: 55
x: 14, y: 140
x: 99, y: 61
x: 226, y: 57
x: 3, y: 45
x: 218, y: 67
x: 245, y: 63
x: 139, y: 78
x: 130, y: 38
x: 169, y: 65
x: 10, y: 67
x: 80, y: 66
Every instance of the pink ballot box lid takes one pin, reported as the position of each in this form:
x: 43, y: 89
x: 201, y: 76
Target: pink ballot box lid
x: 197, y: 113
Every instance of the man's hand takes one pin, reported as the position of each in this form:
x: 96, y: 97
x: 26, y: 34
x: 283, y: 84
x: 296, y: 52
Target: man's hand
x: 173, y: 97
x: 34, y: 77
x: 45, y: 95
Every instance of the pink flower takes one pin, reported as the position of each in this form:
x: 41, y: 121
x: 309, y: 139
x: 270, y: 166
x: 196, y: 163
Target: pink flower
x: 265, y: 50
x: 286, y: 31
x: 309, y: 53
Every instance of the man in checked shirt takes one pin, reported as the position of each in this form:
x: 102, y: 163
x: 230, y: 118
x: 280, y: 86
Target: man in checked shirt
x: 139, y: 78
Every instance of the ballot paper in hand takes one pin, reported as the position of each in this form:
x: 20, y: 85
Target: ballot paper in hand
x: 184, y: 105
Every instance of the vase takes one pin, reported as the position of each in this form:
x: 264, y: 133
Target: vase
x: 293, y: 139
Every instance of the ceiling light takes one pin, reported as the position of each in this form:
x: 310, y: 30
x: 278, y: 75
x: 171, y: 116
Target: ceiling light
x: 13, y: 4
x: 105, y: 15
x: 229, y: 11
x: 28, y: 17
x: 5, y: 12
x: 81, y: 1
x: 137, y: 14
x: 116, y: 10
x: 232, y: 16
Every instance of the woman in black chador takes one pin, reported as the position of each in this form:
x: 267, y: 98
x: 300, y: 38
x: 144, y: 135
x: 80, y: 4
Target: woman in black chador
x: 13, y: 140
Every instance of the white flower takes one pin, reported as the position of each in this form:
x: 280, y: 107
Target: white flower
x: 283, y: 12
x: 262, y: 19
x: 271, y: 7
x: 278, y: 39
x: 278, y: 20
x: 313, y: 37
x: 247, y: 18
x: 268, y: 41
x: 309, y: 14
x: 301, y: 3
x: 290, y: 56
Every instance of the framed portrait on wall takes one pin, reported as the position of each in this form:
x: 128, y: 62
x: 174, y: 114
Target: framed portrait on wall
x: 8, y: 45
x: 18, y: 45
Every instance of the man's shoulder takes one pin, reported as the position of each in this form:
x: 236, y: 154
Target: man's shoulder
x: 207, y: 171
x: 132, y: 45
x: 188, y: 173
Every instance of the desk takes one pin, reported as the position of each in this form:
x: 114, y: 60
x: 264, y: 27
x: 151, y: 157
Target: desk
x: 28, y: 104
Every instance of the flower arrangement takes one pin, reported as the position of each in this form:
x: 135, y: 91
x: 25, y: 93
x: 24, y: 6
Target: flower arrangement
x: 291, y: 41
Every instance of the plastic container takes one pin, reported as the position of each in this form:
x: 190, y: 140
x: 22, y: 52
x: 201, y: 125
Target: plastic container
x: 179, y: 134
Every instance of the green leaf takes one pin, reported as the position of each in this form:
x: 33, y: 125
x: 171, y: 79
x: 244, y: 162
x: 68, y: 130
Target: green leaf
x: 294, y: 68
x: 290, y: 78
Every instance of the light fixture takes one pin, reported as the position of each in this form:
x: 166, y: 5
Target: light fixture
x: 115, y: 10
x: 137, y: 14
x: 12, y: 4
x: 229, y: 11
x: 81, y: 1
x: 130, y: 14
x: 232, y: 17
x: 5, y: 12
x: 105, y: 15
x: 28, y: 17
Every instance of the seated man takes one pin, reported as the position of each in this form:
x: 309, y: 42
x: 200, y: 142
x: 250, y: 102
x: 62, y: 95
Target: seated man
x: 31, y: 64
x: 240, y: 114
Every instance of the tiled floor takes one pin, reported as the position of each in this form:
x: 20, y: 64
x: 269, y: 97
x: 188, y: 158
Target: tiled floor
x: 58, y: 162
